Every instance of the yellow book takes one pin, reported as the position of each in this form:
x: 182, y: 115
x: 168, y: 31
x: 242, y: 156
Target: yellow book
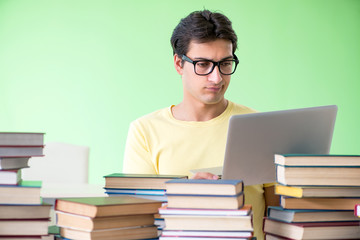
x: 314, y: 191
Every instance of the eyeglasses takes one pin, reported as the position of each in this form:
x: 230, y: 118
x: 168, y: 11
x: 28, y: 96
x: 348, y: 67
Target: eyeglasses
x: 205, y: 67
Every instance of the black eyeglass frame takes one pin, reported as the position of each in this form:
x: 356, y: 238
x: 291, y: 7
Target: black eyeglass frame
x: 235, y: 59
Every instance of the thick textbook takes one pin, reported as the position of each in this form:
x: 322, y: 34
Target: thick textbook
x: 318, y: 176
x: 144, y: 232
x: 14, y: 162
x: 310, y: 215
x: 317, y: 160
x: 27, y: 227
x: 244, y: 211
x: 319, y: 230
x: 204, y: 187
x: 26, y: 192
x: 40, y: 211
x: 21, y: 151
x: 317, y: 191
x: 319, y: 203
x: 107, y: 206
x: 138, y: 181
x: 208, y: 223
x: 21, y: 138
x: 89, y: 224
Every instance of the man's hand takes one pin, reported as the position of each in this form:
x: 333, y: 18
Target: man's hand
x: 205, y: 175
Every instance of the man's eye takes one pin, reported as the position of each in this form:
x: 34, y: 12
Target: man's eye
x: 203, y: 64
x: 226, y: 63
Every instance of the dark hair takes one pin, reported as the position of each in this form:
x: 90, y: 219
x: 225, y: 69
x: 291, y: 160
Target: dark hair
x: 201, y: 26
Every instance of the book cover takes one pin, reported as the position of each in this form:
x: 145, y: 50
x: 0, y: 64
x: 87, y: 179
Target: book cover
x: 21, y: 138
x: 317, y: 191
x: 204, y: 187
x: 138, y: 181
x: 107, y: 206
x: 244, y: 211
x: 317, y: 160
x: 319, y: 203
x: 309, y: 215
x: 318, y: 230
x: 14, y: 162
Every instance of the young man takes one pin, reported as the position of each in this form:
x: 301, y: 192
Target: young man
x: 192, y: 134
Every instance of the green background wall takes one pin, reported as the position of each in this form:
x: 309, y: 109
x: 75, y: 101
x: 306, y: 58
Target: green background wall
x: 81, y: 70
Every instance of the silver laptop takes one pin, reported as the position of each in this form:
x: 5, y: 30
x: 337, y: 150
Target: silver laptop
x: 254, y: 138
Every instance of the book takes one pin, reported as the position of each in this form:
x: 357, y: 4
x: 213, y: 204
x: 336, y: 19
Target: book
x: 107, y: 206
x: 208, y: 223
x: 26, y: 192
x: 89, y: 224
x: 317, y: 191
x: 25, y: 227
x: 21, y: 138
x: 155, y: 192
x: 25, y: 211
x: 144, y: 232
x: 10, y: 177
x: 40, y: 237
x: 205, y: 201
x: 316, y: 160
x: 206, y: 234
x: 319, y: 203
x: 310, y: 215
x: 275, y: 237
x: 318, y: 230
x: 244, y: 211
x: 318, y: 176
x: 357, y: 210
x: 138, y: 181
x: 14, y: 162
x: 204, y: 238
x: 204, y: 187
x: 21, y: 151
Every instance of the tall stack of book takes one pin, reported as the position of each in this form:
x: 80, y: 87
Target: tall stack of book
x: 21, y: 210
x: 318, y: 194
x: 201, y: 209
x: 106, y: 218
x: 148, y: 186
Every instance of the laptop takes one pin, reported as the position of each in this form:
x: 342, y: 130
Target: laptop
x: 254, y: 138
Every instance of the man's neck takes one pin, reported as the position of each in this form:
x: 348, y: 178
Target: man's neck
x: 198, y: 112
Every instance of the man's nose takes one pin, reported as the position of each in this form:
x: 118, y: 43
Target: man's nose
x: 215, y: 75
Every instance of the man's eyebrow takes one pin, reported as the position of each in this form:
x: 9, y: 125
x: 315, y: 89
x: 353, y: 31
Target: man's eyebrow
x: 207, y: 59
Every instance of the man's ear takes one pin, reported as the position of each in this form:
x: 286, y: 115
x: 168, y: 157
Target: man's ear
x: 178, y: 64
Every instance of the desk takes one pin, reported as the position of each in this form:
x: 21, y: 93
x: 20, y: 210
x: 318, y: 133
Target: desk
x: 51, y: 191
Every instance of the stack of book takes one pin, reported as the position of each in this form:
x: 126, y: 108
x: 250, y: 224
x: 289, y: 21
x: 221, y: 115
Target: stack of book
x: 106, y: 218
x: 200, y: 209
x: 22, y: 212
x: 318, y: 194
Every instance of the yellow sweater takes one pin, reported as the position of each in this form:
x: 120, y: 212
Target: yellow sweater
x: 160, y: 144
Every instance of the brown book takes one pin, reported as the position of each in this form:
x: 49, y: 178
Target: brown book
x: 319, y: 203
x: 26, y: 192
x: 138, y: 181
x: 89, y: 224
x: 145, y: 232
x: 318, y: 230
x: 317, y: 160
x: 208, y: 223
x: 107, y: 206
x: 25, y: 211
x: 27, y: 227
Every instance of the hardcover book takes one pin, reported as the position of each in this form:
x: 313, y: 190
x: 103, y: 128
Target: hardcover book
x: 26, y: 227
x: 204, y: 187
x: 21, y: 151
x: 319, y: 203
x: 25, y: 211
x: 317, y: 191
x: 310, y: 215
x: 244, y: 211
x: 317, y: 160
x: 107, y: 206
x: 138, y: 181
x: 319, y: 230
x: 229, y: 235
x: 26, y: 192
x: 10, y: 177
x: 21, y: 138
x: 14, y: 162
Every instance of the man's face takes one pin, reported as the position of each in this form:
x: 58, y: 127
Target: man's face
x: 209, y: 89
